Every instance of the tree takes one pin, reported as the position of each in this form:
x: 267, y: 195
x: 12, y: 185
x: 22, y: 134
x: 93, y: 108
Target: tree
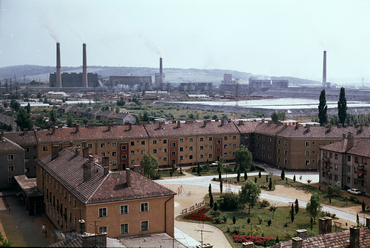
x: 221, y: 186
x: 53, y: 117
x: 209, y: 190
x: 272, y: 209
x: 39, y: 95
x: 277, y: 240
x: 357, y: 220
x: 6, y: 104
x: 14, y: 105
x: 243, y: 158
x: 363, y: 205
x: 117, y: 110
x: 292, y: 213
x: 275, y: 117
x: 267, y: 178
x: 311, y: 222
x: 215, y: 207
x: 342, y: 106
x: 69, y: 120
x: 323, y: 116
x: 313, y: 206
x: 211, y: 201
x: 234, y: 219
x: 5, y: 242
x: 296, y: 206
x: 150, y: 164
x: 249, y: 193
x: 259, y: 174
x: 238, y: 176
x: 255, y: 180
x: 294, y: 178
x: 330, y: 192
x: 24, y: 119
x: 245, y: 175
x: 28, y: 108
x: 198, y: 169
x: 270, y: 184
x: 282, y: 175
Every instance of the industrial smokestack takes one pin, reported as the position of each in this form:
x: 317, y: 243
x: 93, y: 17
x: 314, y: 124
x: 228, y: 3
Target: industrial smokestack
x: 160, y: 71
x: 59, y: 72
x: 84, y: 67
x: 324, y: 71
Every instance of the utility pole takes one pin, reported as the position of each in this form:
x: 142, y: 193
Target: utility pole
x: 201, y: 234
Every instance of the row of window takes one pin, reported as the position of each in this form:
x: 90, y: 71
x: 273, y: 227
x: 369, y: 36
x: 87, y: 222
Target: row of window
x: 144, y: 226
x: 103, y: 212
x: 263, y: 138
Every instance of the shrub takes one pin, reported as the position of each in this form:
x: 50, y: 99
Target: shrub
x: 234, y: 219
x: 230, y: 201
x: 286, y: 224
x: 264, y: 203
x: 269, y: 222
x: 217, y: 220
x: 257, y: 240
x: 236, y: 230
x: 215, y: 213
x: 199, y: 215
x: 224, y: 218
x: 289, y: 235
x: 353, y: 199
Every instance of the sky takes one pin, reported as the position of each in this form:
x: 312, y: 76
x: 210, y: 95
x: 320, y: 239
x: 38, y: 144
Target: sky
x: 263, y: 37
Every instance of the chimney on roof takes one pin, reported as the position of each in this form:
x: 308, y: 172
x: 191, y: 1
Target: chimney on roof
x: 159, y: 125
x: 297, y: 125
x: 129, y: 126
x: 354, y: 237
x: 325, y: 225
x: 241, y: 123
x: 178, y: 124
x: 308, y: 128
x: 222, y: 122
x: 60, y: 126
x: 105, y: 164
x: 229, y: 120
x: 109, y: 127
x: 85, y: 152
x: 204, y: 123
x: 128, y: 177
x: 84, y: 144
x: 329, y: 127
x: 25, y: 130
x: 54, y: 152
x: 302, y: 233
x: 297, y: 242
x: 77, y: 128
x: 53, y: 129
x: 76, y: 152
x: 350, y: 140
x: 343, y: 136
x: 87, y: 169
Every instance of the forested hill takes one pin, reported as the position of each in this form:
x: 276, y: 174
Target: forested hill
x: 173, y: 75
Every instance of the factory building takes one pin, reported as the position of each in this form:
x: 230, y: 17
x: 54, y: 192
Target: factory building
x: 265, y: 84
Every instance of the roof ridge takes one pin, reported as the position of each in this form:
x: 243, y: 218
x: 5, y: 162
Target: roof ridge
x: 92, y: 194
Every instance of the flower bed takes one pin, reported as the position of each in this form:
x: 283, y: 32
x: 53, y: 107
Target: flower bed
x: 256, y: 240
x: 199, y: 215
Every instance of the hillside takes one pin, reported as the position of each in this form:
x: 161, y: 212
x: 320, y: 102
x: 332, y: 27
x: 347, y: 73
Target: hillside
x: 173, y: 75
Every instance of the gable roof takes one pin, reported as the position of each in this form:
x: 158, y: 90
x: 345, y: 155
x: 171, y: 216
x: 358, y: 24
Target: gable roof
x: 6, y: 145
x: 101, y: 133
x: 191, y: 129
x: 22, y: 138
x: 360, y: 147
x: 268, y: 128
x: 67, y: 168
x: 246, y: 126
x: 122, y: 115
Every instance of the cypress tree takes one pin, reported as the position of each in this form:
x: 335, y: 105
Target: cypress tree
x: 323, y: 116
x: 342, y: 106
x: 292, y: 214
x: 296, y: 206
x: 245, y: 175
x: 211, y: 201
x: 221, y: 186
x: 259, y: 174
x: 270, y: 184
x: 282, y: 175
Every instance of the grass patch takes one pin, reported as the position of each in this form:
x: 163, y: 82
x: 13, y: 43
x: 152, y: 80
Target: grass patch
x: 167, y: 173
x: 277, y: 228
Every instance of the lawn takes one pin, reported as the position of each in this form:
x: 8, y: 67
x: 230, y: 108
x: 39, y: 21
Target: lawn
x: 336, y: 201
x: 277, y: 228
x: 212, y: 170
x: 167, y: 173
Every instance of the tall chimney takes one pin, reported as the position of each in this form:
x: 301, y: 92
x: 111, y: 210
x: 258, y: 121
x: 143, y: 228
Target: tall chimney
x: 54, y: 152
x: 105, y: 164
x: 58, y: 82
x: 128, y: 177
x: 160, y: 71
x: 354, y: 237
x: 84, y: 67
x: 324, y: 70
x: 87, y: 168
x: 85, y: 152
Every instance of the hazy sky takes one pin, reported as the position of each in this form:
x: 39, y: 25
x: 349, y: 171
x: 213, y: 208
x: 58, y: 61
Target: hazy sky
x: 276, y: 38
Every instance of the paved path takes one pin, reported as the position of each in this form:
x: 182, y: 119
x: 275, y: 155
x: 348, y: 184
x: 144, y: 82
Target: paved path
x: 24, y: 223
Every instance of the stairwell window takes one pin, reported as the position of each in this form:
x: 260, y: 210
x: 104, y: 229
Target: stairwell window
x: 144, y: 207
x: 307, y: 143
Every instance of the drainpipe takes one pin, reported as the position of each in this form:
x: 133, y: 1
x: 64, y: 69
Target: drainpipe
x: 165, y: 213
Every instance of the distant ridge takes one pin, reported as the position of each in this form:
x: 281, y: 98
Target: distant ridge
x: 173, y: 75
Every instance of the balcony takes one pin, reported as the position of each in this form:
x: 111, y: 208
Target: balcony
x: 361, y: 166
x: 326, y: 160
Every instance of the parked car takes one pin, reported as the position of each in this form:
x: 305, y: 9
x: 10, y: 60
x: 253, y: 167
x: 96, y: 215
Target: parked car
x: 354, y: 191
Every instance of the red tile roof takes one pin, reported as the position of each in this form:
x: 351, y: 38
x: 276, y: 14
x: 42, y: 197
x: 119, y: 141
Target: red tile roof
x: 7, y: 145
x: 246, y: 126
x: 21, y: 138
x: 191, y: 129
x: 360, y: 147
x: 67, y: 168
x: 268, y: 128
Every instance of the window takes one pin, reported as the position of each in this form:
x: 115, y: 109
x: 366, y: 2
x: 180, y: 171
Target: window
x: 225, y: 154
x: 102, y: 154
x: 210, y: 147
x: 210, y: 155
x: 164, y: 141
x: 132, y: 143
x: 258, y: 137
x: 123, y: 148
x: 154, y: 150
x: 331, y: 155
x: 285, y: 152
x: 103, y: 229
x: 348, y: 179
x: 201, y: 139
x: 190, y: 156
x: 102, y: 212
x: 65, y: 194
x: 181, y: 149
x: 144, y: 207
x: 269, y: 139
x: 218, y: 150
x: 124, y: 157
x: 74, y: 203
x: 102, y: 145
x: 307, y: 162
x: 278, y: 151
x: 181, y: 158
x: 69, y: 199
x: 201, y: 147
x: 144, y: 226
x: 263, y: 138
x: 234, y: 145
x: 336, y: 156
x: 234, y: 137
x: 164, y: 149
x: 279, y: 141
x: 164, y: 159
x: 285, y: 161
x: 349, y: 168
x: 11, y: 168
x: 191, y: 148
x: 173, y: 153
x: 307, y: 153
x: 225, y: 137
x: 70, y: 217
x: 190, y: 139
x: 225, y: 146
x: 154, y: 142
x: 114, y: 144
x: 278, y: 160
x: 114, y: 162
x: 53, y: 183
x: 27, y: 149
x: 173, y: 144
x: 201, y: 156
x: 132, y: 161
x: 269, y: 156
x: 218, y: 142
x: 89, y: 146
x: 114, y: 154
x: 286, y: 143
x: 263, y: 146
x: 307, y: 143
x: 142, y: 151
x: 210, y: 138
x: 143, y: 142
x: 10, y: 179
x: 45, y: 148
x: 181, y: 140
x: 124, y: 209
x: 349, y: 158
x: 10, y: 157
x: 124, y: 228
x: 74, y: 221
